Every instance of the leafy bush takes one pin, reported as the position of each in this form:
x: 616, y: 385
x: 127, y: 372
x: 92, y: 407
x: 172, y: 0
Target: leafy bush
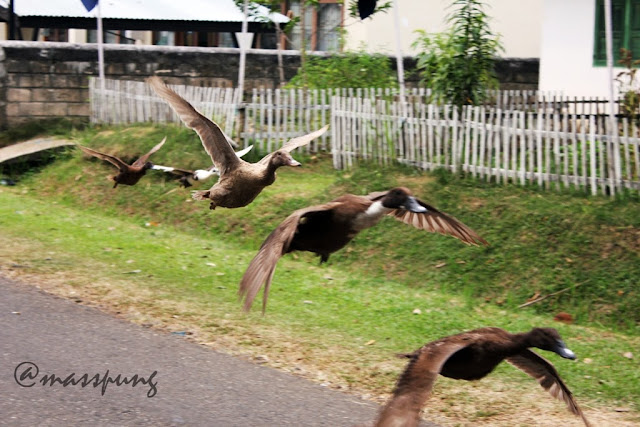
x: 350, y: 69
x: 628, y: 85
x: 458, y: 65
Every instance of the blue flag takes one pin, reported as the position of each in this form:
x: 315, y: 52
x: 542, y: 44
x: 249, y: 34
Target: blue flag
x: 89, y: 4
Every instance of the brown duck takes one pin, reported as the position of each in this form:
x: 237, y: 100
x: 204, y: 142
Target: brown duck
x: 240, y: 182
x: 470, y: 356
x: 324, y: 229
x: 186, y: 176
x: 128, y: 174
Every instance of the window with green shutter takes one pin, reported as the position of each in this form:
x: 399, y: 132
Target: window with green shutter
x: 625, y: 16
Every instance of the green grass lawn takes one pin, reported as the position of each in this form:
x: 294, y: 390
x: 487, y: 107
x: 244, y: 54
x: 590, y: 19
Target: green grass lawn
x: 351, y: 315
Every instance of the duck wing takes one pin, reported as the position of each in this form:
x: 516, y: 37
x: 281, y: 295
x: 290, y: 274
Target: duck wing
x: 107, y: 157
x: 175, y: 171
x: 214, y: 170
x: 244, y: 151
x: 214, y: 141
x: 297, y: 142
x: 434, y: 221
x: 416, y: 382
x: 143, y: 159
x: 543, y: 371
x: 263, y: 265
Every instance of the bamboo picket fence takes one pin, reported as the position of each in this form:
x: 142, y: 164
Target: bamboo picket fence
x: 551, y: 148
x: 127, y: 101
x: 524, y: 137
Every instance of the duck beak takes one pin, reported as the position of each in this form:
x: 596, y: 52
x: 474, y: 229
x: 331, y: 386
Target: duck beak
x: 412, y: 205
x: 563, y: 351
x: 293, y: 162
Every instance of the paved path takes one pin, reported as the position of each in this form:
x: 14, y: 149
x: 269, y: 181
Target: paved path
x: 194, y: 385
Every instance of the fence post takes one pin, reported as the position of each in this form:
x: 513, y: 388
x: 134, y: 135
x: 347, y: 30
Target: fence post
x: 592, y: 152
x: 336, y: 132
x: 615, y: 147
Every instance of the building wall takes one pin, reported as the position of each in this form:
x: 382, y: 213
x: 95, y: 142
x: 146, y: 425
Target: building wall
x: 76, y: 36
x: 519, y: 22
x: 80, y: 36
x: 41, y: 80
x: 45, y: 79
x: 566, y: 60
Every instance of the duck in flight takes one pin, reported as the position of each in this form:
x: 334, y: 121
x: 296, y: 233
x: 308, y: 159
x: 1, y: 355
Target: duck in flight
x: 240, y: 182
x: 128, y: 174
x: 186, y: 176
x: 324, y: 229
x: 470, y: 356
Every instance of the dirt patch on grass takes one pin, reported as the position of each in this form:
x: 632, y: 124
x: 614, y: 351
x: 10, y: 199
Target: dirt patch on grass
x: 140, y: 131
x: 105, y: 133
x: 626, y: 239
x: 474, y: 203
x: 489, y: 402
x: 416, y: 182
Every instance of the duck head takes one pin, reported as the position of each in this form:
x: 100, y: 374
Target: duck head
x: 549, y: 339
x: 202, y: 174
x: 148, y: 165
x: 401, y: 197
x: 283, y: 158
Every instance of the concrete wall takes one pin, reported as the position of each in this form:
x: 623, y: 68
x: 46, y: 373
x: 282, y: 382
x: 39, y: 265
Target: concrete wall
x: 40, y: 80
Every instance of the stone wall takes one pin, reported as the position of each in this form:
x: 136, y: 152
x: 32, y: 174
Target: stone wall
x: 40, y: 80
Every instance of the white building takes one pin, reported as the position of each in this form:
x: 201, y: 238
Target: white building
x: 572, y: 55
x: 519, y: 22
x: 566, y: 35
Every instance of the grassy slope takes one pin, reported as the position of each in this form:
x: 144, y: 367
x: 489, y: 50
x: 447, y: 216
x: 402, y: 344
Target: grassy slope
x: 541, y: 242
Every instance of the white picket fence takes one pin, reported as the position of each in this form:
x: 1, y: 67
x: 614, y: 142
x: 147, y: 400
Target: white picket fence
x: 272, y: 117
x: 552, y: 149
x: 126, y: 101
x: 519, y: 136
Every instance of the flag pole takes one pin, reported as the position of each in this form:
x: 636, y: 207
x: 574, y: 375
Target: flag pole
x: 609, y: 49
x: 100, y: 50
x: 243, y: 47
x: 399, y: 56
x: 614, y: 164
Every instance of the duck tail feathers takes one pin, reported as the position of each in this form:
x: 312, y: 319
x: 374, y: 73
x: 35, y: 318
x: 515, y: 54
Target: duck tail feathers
x: 200, y: 195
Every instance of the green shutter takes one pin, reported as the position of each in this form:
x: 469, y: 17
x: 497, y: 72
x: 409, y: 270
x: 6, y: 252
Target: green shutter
x: 634, y: 30
x: 620, y: 33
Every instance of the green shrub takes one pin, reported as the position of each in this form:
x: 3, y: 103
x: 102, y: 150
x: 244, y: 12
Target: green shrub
x: 458, y: 65
x: 351, y: 69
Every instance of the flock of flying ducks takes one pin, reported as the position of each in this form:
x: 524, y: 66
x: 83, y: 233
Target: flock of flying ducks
x: 326, y: 228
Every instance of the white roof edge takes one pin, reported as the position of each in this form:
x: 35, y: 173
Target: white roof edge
x: 184, y: 10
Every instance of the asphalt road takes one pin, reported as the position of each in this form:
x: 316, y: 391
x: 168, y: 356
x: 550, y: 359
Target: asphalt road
x: 179, y: 382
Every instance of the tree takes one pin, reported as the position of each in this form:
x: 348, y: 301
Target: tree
x: 459, y: 65
x: 274, y: 5
x: 628, y: 85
